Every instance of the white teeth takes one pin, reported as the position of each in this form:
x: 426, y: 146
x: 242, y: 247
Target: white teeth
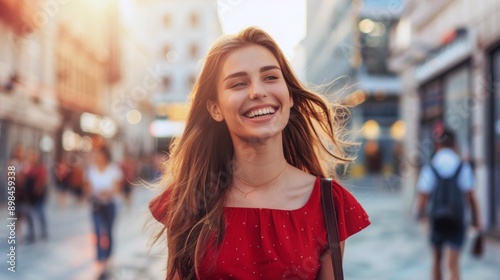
x: 260, y: 112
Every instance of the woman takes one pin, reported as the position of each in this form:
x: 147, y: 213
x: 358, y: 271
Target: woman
x: 103, y: 179
x: 35, y: 187
x: 242, y: 198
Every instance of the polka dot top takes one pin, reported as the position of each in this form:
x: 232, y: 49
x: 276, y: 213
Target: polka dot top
x: 262, y: 243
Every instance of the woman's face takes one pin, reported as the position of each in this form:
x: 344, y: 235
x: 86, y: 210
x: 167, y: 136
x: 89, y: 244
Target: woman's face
x: 253, y: 97
x: 99, y: 158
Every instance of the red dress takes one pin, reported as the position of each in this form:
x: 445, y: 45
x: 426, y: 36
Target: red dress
x: 262, y: 243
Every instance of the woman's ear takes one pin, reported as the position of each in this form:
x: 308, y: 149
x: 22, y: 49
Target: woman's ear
x: 291, y: 100
x: 214, y: 110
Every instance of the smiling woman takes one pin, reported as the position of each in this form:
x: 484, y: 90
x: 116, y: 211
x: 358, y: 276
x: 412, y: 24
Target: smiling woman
x: 252, y: 96
x: 242, y: 197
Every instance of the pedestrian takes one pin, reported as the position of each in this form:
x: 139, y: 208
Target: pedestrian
x: 23, y: 207
x: 242, y: 196
x: 129, y: 169
x: 17, y: 160
x: 35, y: 187
x: 444, y: 186
x: 76, y: 182
x: 62, y: 170
x: 102, y: 183
x: 146, y: 168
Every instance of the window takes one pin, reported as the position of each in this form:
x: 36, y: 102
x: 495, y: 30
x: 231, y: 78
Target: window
x: 494, y: 150
x: 167, y: 20
x: 194, y: 19
x: 165, y: 50
x: 458, y: 108
x: 166, y: 82
x: 193, y: 50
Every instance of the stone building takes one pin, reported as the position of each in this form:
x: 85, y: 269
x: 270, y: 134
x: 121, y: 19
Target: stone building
x: 448, y: 57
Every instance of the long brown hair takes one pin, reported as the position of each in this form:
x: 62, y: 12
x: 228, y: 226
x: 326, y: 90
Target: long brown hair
x: 198, y: 173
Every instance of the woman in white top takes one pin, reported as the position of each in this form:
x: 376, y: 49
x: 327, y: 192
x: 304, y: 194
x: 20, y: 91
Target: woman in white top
x: 102, y: 185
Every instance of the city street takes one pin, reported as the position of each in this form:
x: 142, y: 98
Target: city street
x: 393, y: 247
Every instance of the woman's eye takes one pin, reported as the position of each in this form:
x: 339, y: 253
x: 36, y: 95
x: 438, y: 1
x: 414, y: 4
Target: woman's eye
x: 271, y: 77
x: 240, y: 84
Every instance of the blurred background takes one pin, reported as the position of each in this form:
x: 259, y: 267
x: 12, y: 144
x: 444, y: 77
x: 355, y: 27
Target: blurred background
x: 75, y: 73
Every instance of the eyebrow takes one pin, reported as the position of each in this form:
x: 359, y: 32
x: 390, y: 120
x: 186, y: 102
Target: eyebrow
x: 243, y: 73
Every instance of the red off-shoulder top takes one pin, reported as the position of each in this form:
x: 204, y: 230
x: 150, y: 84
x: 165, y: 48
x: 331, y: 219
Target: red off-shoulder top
x: 262, y: 243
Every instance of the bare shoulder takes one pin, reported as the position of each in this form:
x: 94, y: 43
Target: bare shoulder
x: 300, y: 185
x: 300, y: 179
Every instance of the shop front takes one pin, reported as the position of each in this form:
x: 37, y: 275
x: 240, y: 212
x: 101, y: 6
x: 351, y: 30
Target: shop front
x: 494, y: 141
x: 80, y: 131
x: 446, y: 97
x: 446, y: 101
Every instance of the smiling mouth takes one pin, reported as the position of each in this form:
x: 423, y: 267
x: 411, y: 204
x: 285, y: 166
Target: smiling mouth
x: 259, y: 113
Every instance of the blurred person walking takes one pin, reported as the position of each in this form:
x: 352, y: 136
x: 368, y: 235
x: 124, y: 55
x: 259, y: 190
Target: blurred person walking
x: 146, y: 168
x: 76, y: 182
x: 444, y: 185
x: 35, y: 187
x: 61, y: 175
x: 103, y: 179
x: 23, y: 208
x: 17, y: 159
x: 129, y: 168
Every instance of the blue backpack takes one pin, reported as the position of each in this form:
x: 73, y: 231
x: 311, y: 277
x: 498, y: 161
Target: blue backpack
x: 447, y: 204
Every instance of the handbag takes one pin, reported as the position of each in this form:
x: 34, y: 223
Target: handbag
x: 477, y: 245
x: 332, y: 227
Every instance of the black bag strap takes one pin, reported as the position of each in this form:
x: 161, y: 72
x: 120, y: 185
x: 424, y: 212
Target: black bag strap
x: 457, y: 172
x: 332, y: 227
x: 455, y: 175
x: 435, y: 172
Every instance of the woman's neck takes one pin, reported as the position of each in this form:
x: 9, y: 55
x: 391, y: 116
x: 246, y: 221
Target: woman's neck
x: 258, y: 162
x: 101, y: 166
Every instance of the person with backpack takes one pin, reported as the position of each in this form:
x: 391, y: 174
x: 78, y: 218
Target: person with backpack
x: 445, y: 186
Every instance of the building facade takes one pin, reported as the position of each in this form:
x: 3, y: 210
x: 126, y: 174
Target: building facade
x: 449, y: 67
x: 28, y: 96
x: 56, y: 68
x: 87, y: 58
x: 181, y: 33
x: 130, y: 103
x: 347, y: 44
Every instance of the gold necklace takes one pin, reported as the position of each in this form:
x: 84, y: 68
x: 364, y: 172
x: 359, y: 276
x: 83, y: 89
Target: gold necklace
x: 257, y: 186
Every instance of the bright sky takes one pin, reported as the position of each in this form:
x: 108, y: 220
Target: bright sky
x: 285, y: 20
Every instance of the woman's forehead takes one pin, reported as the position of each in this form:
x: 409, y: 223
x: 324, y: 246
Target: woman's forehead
x: 248, y: 59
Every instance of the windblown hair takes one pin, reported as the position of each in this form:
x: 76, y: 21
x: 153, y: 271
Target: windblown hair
x: 199, y: 171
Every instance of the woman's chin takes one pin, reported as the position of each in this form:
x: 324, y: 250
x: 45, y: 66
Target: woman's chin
x: 262, y: 136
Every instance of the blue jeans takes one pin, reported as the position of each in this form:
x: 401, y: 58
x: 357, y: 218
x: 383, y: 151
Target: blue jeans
x: 103, y: 216
x: 35, y: 211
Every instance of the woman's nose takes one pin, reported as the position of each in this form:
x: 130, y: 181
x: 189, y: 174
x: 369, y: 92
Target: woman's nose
x: 257, y: 91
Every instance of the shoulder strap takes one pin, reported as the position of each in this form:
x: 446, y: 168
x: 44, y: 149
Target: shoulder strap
x: 331, y: 227
x: 435, y: 171
x: 458, y: 171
